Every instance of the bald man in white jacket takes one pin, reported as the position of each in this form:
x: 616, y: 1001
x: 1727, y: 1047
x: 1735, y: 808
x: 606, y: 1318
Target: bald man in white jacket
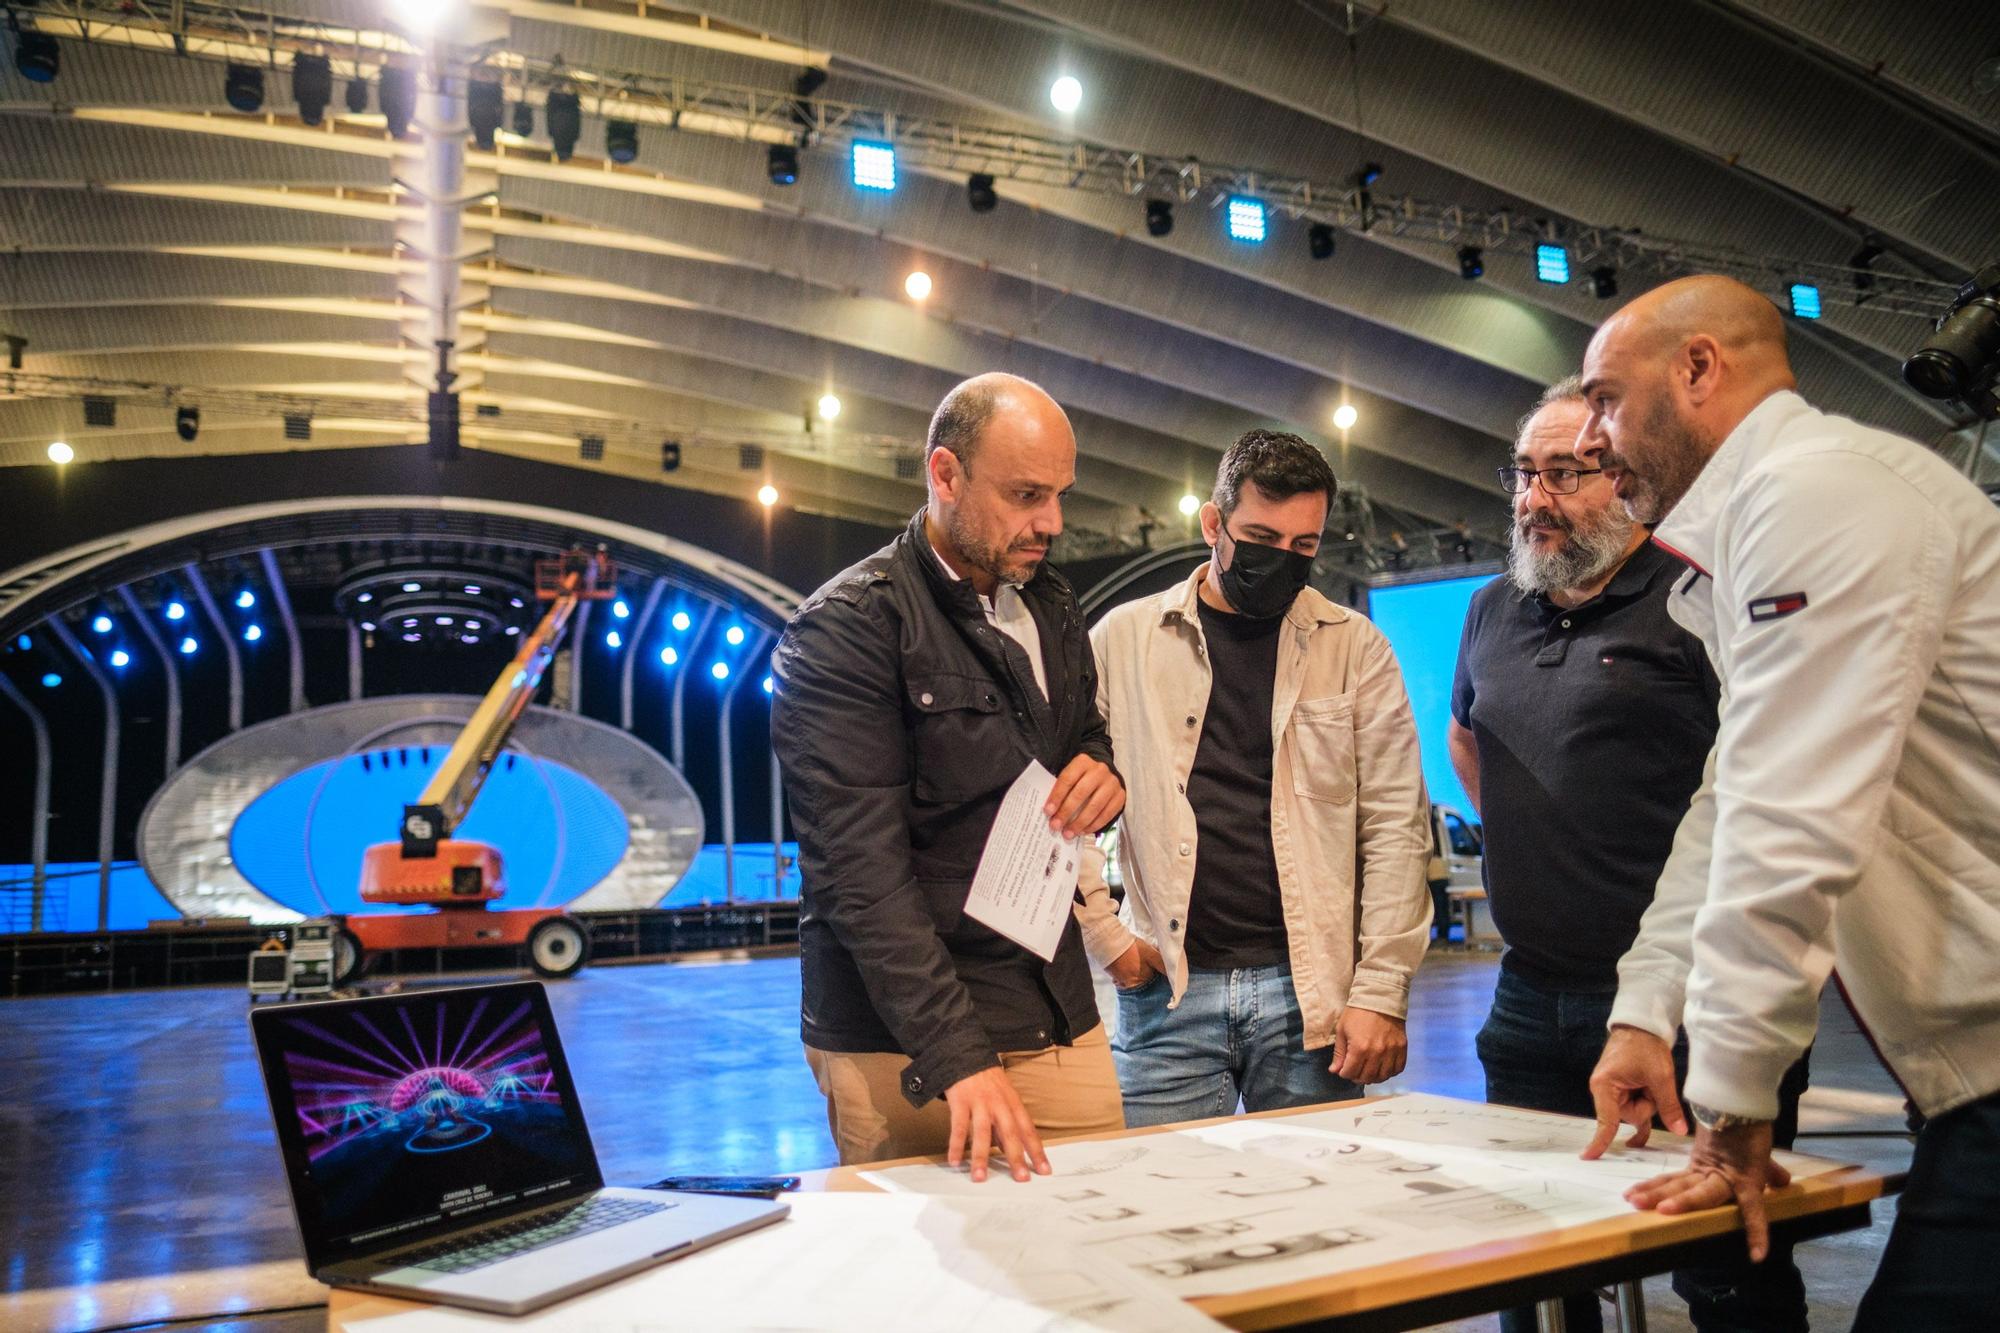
x: 1846, y: 584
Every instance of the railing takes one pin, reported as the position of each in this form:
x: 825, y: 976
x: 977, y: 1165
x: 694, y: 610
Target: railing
x: 216, y: 953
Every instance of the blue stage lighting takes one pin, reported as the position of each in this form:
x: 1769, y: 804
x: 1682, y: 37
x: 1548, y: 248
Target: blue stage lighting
x: 767, y: 684
x: 681, y: 622
x: 735, y: 636
x: 50, y: 680
x: 1246, y: 220
x: 120, y: 658
x: 1551, y: 263
x: 720, y: 671
x: 874, y: 165
x: 413, y: 587
x: 1805, y: 300
x: 188, y: 645
x: 175, y: 611
x: 613, y: 639
x: 252, y: 633
x: 668, y: 656
x: 621, y: 608
x: 246, y: 599
x: 101, y: 624
x: 24, y: 643
x: 364, y: 598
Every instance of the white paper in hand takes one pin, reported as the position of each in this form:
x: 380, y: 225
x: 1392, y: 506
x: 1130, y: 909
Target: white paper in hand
x: 1026, y: 881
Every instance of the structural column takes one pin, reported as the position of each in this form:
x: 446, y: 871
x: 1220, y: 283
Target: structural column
x: 107, y: 796
x: 173, y: 671
x: 38, y: 885
x: 729, y: 770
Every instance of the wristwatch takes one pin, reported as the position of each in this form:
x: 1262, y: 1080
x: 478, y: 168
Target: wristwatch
x: 1716, y: 1121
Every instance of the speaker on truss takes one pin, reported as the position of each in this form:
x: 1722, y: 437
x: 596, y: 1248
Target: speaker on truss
x: 100, y: 412
x: 443, y: 416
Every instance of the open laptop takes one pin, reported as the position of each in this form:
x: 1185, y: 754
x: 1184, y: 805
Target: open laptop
x: 436, y: 1151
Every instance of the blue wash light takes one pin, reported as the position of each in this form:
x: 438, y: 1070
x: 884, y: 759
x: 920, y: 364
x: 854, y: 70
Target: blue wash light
x: 1805, y: 300
x: 1247, y: 221
x: 102, y: 624
x: 50, y: 680
x: 246, y: 599
x: 720, y: 671
x: 1552, y: 264
x: 874, y: 165
x: 120, y: 658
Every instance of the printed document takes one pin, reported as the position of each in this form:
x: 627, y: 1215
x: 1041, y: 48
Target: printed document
x: 1026, y: 881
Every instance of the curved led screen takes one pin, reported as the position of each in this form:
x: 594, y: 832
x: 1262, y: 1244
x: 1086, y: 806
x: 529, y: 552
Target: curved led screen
x: 301, y: 842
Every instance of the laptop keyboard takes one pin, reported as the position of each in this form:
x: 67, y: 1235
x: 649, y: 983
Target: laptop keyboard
x: 490, y: 1245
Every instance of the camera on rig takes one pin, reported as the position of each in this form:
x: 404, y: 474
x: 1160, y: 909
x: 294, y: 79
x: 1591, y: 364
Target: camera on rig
x: 1960, y: 361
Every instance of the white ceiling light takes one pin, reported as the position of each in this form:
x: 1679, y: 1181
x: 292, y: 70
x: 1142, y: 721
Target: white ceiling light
x: 918, y: 285
x: 829, y: 407
x: 1066, y: 94
x: 1189, y: 504
x: 1344, y: 417
x: 60, y: 452
x: 767, y: 495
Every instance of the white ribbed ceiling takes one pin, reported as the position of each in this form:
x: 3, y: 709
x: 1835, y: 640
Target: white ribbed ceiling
x: 246, y: 253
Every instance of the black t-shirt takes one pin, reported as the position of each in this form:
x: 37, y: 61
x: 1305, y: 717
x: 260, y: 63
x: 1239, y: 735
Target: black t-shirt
x: 1592, y: 727
x: 1234, y: 915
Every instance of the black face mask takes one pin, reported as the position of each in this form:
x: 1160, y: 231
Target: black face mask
x: 1262, y: 581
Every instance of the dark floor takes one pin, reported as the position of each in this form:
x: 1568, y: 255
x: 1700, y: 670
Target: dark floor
x: 139, y: 1176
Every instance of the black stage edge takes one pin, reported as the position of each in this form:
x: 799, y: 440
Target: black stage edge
x: 217, y: 954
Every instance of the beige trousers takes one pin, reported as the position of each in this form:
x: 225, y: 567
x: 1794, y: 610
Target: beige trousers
x: 1067, y: 1090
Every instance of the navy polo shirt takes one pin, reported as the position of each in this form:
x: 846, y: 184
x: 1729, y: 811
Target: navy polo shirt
x: 1592, y: 727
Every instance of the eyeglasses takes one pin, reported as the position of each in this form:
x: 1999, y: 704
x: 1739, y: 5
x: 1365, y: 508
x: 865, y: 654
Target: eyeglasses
x: 1555, y: 480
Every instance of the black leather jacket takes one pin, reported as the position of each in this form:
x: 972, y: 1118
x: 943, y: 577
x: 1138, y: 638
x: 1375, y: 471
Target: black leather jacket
x: 900, y: 720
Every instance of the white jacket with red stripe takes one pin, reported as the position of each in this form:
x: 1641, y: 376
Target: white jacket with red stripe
x: 1846, y: 583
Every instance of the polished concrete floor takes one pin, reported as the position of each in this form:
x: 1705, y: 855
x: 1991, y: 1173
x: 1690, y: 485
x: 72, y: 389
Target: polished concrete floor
x: 139, y: 1178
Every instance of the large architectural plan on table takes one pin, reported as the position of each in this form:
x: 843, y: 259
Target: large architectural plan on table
x: 1252, y: 1203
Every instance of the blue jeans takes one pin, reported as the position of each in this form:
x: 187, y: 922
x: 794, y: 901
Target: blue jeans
x: 1539, y: 1048
x: 1939, y: 1269
x: 1237, y: 1034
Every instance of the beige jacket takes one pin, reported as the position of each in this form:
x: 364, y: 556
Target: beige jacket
x: 1348, y: 810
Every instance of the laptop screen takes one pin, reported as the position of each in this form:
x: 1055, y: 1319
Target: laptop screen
x: 406, y: 1114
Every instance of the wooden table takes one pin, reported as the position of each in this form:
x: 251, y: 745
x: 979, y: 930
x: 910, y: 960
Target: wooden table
x: 1454, y: 1284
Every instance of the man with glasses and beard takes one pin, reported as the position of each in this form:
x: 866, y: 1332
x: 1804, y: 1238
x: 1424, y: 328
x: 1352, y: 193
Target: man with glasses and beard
x: 1581, y: 717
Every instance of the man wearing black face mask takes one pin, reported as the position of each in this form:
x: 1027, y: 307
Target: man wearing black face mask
x: 1270, y: 760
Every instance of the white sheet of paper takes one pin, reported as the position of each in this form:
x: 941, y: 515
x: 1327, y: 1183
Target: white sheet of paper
x: 1248, y: 1203
x: 861, y: 1263
x: 1026, y: 881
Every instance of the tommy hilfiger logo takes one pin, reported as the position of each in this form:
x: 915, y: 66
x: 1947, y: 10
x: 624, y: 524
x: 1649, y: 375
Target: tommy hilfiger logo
x: 1770, y: 608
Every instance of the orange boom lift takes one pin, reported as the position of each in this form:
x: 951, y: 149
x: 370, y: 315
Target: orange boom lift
x: 456, y: 876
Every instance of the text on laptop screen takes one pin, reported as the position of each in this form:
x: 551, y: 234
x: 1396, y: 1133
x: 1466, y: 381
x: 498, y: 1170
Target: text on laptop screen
x: 441, y: 1107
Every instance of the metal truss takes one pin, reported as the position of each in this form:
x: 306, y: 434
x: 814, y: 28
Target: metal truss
x: 494, y: 417
x: 949, y: 146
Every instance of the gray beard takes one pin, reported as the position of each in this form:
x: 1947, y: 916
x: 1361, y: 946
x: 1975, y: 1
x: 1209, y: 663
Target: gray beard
x: 1590, y: 552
